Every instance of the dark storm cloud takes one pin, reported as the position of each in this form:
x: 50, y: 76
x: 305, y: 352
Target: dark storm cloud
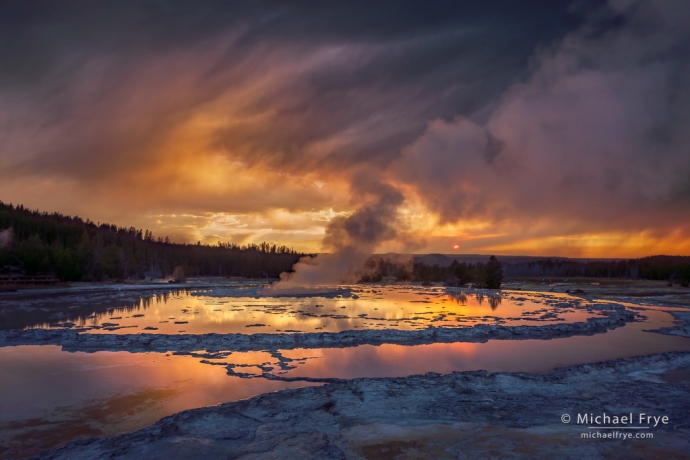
x: 564, y: 117
x: 596, y: 139
x: 375, y: 219
x: 104, y: 82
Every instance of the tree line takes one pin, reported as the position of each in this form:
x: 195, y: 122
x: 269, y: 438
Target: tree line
x: 74, y: 249
x: 675, y: 269
x: 487, y: 275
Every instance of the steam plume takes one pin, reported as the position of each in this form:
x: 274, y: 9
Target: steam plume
x: 352, y: 239
x: 6, y: 237
x: 594, y: 140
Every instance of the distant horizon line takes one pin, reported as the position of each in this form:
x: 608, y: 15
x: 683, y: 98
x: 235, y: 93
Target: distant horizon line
x: 451, y: 255
x: 487, y: 255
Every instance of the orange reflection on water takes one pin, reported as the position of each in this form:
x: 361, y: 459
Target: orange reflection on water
x: 49, y: 397
x: 377, y: 361
x: 370, y: 307
x: 394, y: 354
x: 532, y: 355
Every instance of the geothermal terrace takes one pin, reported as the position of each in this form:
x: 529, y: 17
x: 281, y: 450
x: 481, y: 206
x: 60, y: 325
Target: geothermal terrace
x: 364, y: 371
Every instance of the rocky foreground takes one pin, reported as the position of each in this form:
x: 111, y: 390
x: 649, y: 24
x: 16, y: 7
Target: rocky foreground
x: 461, y: 415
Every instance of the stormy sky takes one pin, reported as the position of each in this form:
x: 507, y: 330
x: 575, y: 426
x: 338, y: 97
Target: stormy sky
x: 531, y: 127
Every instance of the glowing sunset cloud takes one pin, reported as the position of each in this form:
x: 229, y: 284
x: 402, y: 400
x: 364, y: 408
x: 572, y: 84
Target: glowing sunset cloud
x: 550, y: 129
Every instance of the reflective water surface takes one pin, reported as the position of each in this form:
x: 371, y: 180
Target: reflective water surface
x: 49, y: 397
x: 381, y: 307
x: 536, y: 356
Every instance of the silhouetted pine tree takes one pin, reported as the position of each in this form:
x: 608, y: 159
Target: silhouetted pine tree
x: 493, y: 274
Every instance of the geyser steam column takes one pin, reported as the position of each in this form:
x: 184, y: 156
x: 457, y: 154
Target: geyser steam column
x: 350, y: 240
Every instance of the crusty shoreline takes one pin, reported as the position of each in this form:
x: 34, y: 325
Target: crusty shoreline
x: 75, y: 340
x: 503, y: 411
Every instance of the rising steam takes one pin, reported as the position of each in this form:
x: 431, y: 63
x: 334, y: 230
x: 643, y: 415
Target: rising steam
x: 594, y: 140
x: 350, y: 240
x: 6, y: 237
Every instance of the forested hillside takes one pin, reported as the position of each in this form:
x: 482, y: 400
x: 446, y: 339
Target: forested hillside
x: 74, y: 249
x: 487, y: 275
x: 671, y: 268
x: 674, y: 269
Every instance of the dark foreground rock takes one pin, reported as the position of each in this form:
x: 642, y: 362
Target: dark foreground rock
x: 75, y: 340
x: 461, y: 415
